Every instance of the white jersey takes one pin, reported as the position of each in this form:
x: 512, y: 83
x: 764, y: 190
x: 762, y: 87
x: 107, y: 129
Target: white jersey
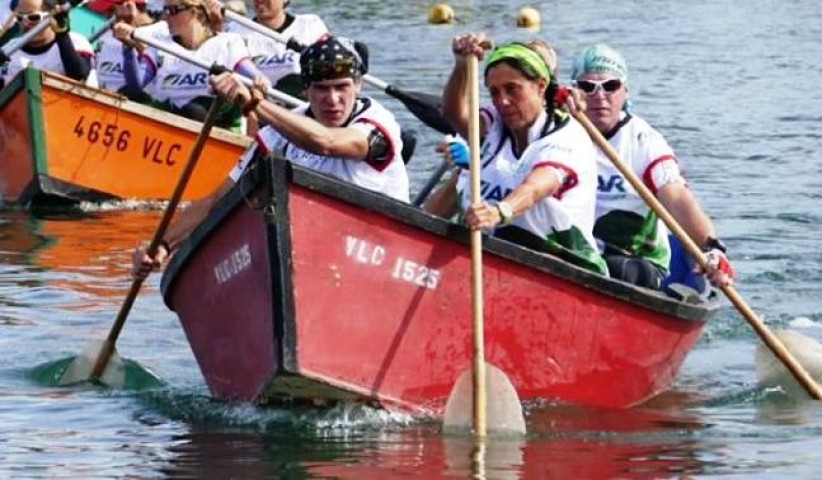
x: 386, y: 175
x: 625, y: 223
x: 109, y: 59
x: 272, y: 57
x: 179, y: 82
x: 565, y: 219
x: 49, y: 60
x: 5, y: 13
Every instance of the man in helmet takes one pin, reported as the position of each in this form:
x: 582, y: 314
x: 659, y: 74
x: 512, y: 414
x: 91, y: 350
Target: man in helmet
x: 339, y: 132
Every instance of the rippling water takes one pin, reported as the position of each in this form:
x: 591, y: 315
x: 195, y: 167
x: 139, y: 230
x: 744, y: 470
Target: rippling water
x: 733, y: 85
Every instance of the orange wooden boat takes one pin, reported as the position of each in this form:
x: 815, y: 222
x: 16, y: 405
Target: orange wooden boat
x: 64, y: 142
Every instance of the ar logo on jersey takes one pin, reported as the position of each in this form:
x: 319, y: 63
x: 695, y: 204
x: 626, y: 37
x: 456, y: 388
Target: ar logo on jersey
x: 493, y: 192
x: 186, y: 80
x: 110, y: 67
x: 614, y: 183
x: 263, y: 61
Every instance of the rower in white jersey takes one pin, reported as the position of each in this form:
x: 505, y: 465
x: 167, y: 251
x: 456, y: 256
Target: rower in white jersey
x: 339, y: 133
x: 109, y: 58
x: 633, y: 240
x: 175, y: 84
x: 538, y: 166
x: 56, y: 49
x: 278, y: 63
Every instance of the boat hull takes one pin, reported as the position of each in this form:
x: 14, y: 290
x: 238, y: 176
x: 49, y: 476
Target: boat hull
x: 63, y: 142
x: 328, y: 291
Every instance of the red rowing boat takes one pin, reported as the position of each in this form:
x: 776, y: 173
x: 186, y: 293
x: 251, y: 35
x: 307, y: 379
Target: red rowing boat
x: 298, y: 286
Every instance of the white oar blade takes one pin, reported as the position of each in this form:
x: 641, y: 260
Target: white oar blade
x: 504, y: 410
x: 79, y: 370
x: 771, y: 372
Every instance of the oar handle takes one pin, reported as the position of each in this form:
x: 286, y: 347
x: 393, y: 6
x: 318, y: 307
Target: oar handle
x: 108, y: 345
x: 18, y: 43
x: 183, y: 54
x: 772, y: 341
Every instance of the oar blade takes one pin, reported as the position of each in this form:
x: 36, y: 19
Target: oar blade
x: 771, y: 372
x: 503, y: 408
x: 80, y: 370
x: 424, y: 106
x: 119, y: 373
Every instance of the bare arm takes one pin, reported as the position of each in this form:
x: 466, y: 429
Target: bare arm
x: 313, y: 136
x: 678, y: 199
x: 182, y: 225
x: 537, y: 185
x: 455, y: 94
x: 455, y: 98
x: 443, y: 201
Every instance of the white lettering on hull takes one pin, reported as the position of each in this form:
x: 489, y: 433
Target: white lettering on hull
x: 402, y: 269
x: 231, y: 266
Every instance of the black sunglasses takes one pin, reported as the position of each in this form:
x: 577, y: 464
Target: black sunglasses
x: 29, y: 17
x: 175, y: 9
x: 608, y: 86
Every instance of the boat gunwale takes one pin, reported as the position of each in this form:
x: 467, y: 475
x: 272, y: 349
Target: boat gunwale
x: 415, y: 217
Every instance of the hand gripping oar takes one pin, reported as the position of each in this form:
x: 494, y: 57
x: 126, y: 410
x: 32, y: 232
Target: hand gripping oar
x: 82, y: 368
x: 424, y: 106
x: 183, y: 54
x: 774, y: 343
x: 506, y: 410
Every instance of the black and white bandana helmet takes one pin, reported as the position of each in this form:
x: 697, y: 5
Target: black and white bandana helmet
x: 330, y: 58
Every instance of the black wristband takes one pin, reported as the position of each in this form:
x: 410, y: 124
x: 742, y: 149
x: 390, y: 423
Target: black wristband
x: 712, y: 243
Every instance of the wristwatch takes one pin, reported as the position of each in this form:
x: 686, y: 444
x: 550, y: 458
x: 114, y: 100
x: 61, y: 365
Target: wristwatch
x: 506, y: 213
x: 714, y: 243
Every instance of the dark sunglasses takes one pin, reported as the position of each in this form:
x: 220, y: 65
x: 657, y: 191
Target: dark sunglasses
x: 590, y: 87
x: 29, y: 17
x: 171, y: 10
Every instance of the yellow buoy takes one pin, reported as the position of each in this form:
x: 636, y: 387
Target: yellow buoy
x: 528, y: 17
x: 440, y: 13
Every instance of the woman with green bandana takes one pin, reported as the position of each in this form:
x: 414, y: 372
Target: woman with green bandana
x: 538, y: 164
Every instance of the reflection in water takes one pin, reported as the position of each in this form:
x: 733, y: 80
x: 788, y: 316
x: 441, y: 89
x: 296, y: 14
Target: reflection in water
x: 562, y: 442
x: 86, y: 253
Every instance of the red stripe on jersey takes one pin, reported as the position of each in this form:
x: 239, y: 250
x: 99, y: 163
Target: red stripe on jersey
x: 570, y: 181
x: 647, y: 176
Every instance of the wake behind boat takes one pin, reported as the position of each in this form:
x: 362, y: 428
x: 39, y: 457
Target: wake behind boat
x: 65, y: 142
x: 301, y: 287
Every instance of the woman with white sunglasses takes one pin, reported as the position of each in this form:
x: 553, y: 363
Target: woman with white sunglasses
x: 634, y: 241
x: 56, y: 49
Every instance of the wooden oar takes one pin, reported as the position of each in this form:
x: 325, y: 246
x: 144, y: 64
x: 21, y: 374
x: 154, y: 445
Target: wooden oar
x: 773, y: 342
x: 480, y: 394
x: 506, y: 408
x: 183, y: 54
x: 78, y: 370
x: 424, y: 106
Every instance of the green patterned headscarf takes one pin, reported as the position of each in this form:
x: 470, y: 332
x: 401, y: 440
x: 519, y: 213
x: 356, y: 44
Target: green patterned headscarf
x: 527, y: 58
x: 600, y: 58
